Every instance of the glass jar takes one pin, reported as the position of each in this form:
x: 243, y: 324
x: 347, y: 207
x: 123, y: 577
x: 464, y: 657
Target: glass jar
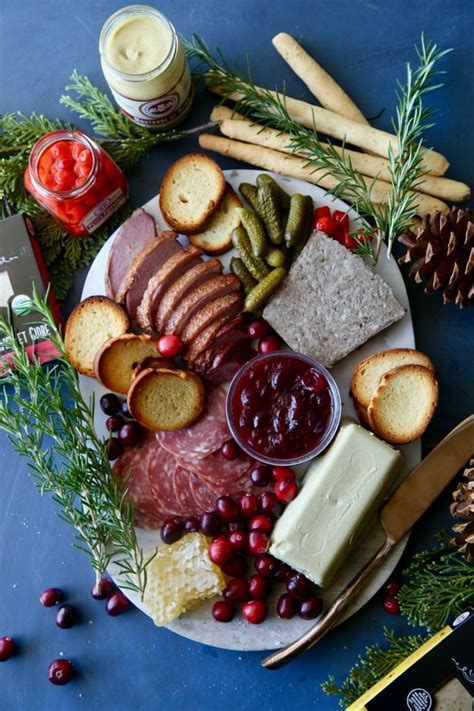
x: 144, y: 63
x: 75, y: 180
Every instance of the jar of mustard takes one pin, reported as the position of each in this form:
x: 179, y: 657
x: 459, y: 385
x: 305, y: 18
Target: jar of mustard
x: 145, y: 66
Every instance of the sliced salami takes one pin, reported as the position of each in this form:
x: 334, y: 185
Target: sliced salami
x: 204, y: 495
x: 183, y: 493
x: 205, y: 436
x: 160, y: 472
x: 217, y: 470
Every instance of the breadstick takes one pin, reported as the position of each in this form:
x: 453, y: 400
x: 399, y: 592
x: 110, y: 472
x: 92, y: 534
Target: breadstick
x: 318, y: 81
x: 297, y: 168
x: 370, y: 166
x: 331, y: 124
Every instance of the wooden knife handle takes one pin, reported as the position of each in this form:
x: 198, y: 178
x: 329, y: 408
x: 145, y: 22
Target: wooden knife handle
x: 329, y: 618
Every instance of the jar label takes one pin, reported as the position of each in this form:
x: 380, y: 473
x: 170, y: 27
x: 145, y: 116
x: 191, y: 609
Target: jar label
x: 162, y: 112
x: 102, y: 211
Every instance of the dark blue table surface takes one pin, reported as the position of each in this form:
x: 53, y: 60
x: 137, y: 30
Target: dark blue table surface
x: 127, y: 662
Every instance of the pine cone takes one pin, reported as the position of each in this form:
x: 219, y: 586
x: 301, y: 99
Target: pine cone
x: 463, y: 508
x: 442, y: 255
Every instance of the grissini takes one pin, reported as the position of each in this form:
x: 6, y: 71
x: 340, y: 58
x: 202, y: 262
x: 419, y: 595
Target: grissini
x: 319, y: 82
x: 295, y: 167
x: 327, y: 122
x: 370, y: 166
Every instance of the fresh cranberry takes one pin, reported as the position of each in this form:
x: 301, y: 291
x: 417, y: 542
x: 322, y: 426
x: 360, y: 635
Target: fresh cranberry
x: 114, y: 448
x: 131, y: 433
x: 255, y: 611
x: 191, y: 524
x: 283, y: 473
x: 210, y: 523
x: 169, y: 346
x: 237, y: 590
x: 268, y: 344
x: 248, y: 505
x: 238, y: 540
x: 235, y: 568
x: 258, y: 328
x: 220, y: 551
x: 259, y: 586
x: 265, y: 564
x: 391, y: 605
x: 114, y: 423
x: 310, y: 607
x: 109, y: 404
x: 7, y: 648
x: 258, y: 543
x: 230, y: 450
x: 66, y: 617
x: 260, y: 476
x: 124, y: 410
x: 171, y: 530
x: 223, y: 611
x: 287, y: 607
x: 261, y: 523
x: 235, y: 525
x: 51, y: 597
x: 102, y: 589
x: 117, y: 604
x: 270, y: 505
x: 227, y: 508
x: 60, y: 672
x: 286, y: 490
x: 281, y: 572
x: 298, y: 586
x: 392, y: 587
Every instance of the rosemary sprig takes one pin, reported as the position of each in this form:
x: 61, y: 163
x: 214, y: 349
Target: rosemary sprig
x: 49, y: 423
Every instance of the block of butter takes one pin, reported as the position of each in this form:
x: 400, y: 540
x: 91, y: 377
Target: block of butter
x: 341, y: 491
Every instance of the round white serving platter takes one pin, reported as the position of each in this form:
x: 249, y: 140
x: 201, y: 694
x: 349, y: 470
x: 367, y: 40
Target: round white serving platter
x: 198, y: 624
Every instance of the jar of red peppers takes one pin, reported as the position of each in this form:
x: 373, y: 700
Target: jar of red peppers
x: 75, y: 180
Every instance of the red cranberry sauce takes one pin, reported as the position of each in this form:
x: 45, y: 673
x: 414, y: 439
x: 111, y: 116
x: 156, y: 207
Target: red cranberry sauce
x: 281, y: 407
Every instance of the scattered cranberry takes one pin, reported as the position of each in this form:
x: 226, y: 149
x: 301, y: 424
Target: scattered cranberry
x: 298, y: 586
x: 114, y: 423
x: 228, y: 509
x: 270, y: 505
x: 255, y: 611
x: 286, y: 490
x: 237, y: 590
x: 51, y: 596
x: 261, y: 523
x: 220, y: 551
x: 235, y: 568
x: 310, y: 607
x: 392, y: 587
x: 259, y: 586
x: 391, y: 605
x: 114, y: 448
x: 260, y: 476
x: 281, y: 572
x: 235, y: 525
x: 191, y: 524
x: 258, y: 328
x: 109, y: 404
x: 65, y: 617
x: 248, y: 505
x: 238, y: 540
x: 265, y: 564
x: 210, y: 523
x: 268, y: 344
x: 117, y: 604
x: 124, y: 409
x: 169, y: 346
x: 171, y: 530
x: 102, y: 589
x: 223, y: 611
x: 283, y: 474
x: 287, y: 607
x: 7, y: 648
x: 258, y: 543
x: 230, y: 450
x: 60, y: 672
x: 131, y: 433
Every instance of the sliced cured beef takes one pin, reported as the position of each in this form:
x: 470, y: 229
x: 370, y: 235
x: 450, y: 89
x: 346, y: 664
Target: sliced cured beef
x: 160, y: 472
x: 206, y: 435
x: 226, y: 363
x: 197, y: 298
x: 171, y: 270
x: 183, y: 493
x: 144, y: 266
x: 216, y: 470
x: 204, y: 495
x: 204, y: 339
x: 227, y: 306
x: 134, y: 235
x: 188, y: 282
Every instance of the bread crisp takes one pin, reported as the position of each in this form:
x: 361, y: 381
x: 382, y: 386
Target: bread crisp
x: 216, y: 237
x: 117, y: 360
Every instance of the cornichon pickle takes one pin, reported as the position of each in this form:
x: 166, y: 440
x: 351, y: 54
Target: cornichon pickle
x: 283, y: 197
x: 260, y: 293
x: 250, y: 193
x: 256, y: 266
x: 275, y: 257
x: 270, y: 212
x: 295, y: 223
x: 238, y: 268
x: 307, y: 228
x: 255, y: 231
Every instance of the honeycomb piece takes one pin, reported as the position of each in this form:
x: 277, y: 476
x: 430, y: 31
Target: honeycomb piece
x: 179, y: 577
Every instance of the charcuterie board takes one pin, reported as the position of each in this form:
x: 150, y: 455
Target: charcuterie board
x: 198, y: 623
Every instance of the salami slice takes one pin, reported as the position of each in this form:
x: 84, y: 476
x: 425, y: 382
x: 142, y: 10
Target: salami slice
x: 160, y: 472
x: 217, y: 470
x: 204, y: 436
x: 204, y: 495
x: 183, y: 492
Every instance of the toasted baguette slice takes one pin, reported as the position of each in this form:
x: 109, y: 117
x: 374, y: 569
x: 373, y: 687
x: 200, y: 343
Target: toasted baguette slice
x: 166, y: 399
x: 216, y: 237
x: 370, y: 371
x: 117, y: 360
x: 93, y: 322
x: 192, y: 189
x: 403, y: 403
x: 361, y: 413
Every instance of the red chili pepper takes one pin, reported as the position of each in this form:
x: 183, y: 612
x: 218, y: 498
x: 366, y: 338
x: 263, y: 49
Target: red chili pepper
x: 325, y: 224
x: 341, y: 218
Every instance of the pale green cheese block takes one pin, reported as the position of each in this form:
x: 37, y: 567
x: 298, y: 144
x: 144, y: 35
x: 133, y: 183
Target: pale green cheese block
x: 342, y: 491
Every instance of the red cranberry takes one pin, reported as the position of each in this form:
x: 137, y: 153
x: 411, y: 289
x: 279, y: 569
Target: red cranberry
x: 227, y: 508
x: 220, y: 551
x: 238, y: 540
x: 7, y: 648
x: 391, y: 605
x: 265, y: 564
x: 259, y: 586
x: 51, y: 597
x: 117, y: 604
x: 102, y: 589
x: 283, y: 473
x: 114, y: 448
x: 131, y: 433
x: 109, y: 404
x: 287, y: 607
x: 237, y: 590
x: 392, y: 587
x: 268, y: 344
x: 124, y: 409
x: 281, y: 573
x: 66, y: 616
x: 310, y: 607
x: 258, y: 543
x: 191, y: 524
x: 223, y: 611
x: 169, y: 346
x: 230, y: 450
x: 235, y: 525
x: 298, y: 586
x: 171, y: 530
x: 260, y: 476
x: 261, y: 523
x: 114, y: 423
x: 286, y: 490
x: 270, y: 505
x: 235, y: 568
x: 210, y: 523
x: 248, y: 505
x: 258, y: 328
x: 255, y: 611
x: 60, y: 672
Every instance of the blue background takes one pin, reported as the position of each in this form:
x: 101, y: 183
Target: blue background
x: 126, y: 662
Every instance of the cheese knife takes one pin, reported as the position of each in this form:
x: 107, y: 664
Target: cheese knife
x: 412, y: 498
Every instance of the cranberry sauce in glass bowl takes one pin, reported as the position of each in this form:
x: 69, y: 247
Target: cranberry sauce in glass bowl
x: 283, y: 408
